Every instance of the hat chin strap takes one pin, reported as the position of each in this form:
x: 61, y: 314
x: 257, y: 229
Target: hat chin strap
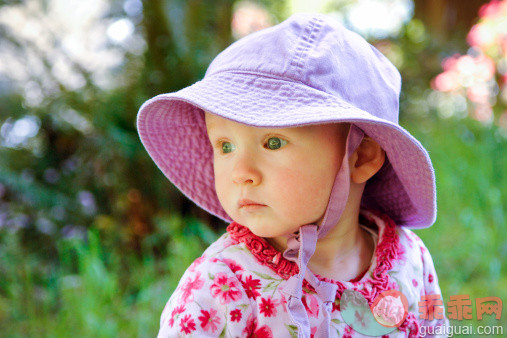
x: 301, y: 247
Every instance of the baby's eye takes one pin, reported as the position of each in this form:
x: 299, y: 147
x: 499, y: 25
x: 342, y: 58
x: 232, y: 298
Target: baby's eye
x: 228, y: 147
x: 274, y: 143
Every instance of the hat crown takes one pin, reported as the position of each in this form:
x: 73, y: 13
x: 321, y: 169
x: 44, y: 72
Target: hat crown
x: 320, y: 53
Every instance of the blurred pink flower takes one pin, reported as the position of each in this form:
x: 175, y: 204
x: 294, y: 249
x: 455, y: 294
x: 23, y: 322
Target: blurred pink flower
x: 249, y: 17
x: 491, y: 30
x: 485, y: 67
x: 450, y: 62
x: 446, y: 81
x: 464, y: 71
x: 480, y: 68
x: 483, y: 113
x: 479, y: 94
x: 477, y: 72
x: 493, y: 9
x: 482, y: 36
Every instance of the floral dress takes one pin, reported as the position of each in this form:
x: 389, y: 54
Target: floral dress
x: 235, y: 288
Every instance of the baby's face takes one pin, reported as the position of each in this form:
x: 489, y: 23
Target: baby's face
x: 275, y: 180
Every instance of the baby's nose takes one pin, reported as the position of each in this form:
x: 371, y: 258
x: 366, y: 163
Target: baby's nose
x: 245, y: 171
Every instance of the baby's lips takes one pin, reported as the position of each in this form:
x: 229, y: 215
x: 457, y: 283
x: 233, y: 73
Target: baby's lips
x: 247, y: 202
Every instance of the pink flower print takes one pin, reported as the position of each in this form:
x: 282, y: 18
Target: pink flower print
x: 235, y: 315
x: 414, y: 282
x: 209, y: 320
x: 347, y: 333
x: 251, y: 286
x: 313, y: 331
x: 336, y: 305
x: 311, y: 305
x: 263, y: 332
x: 251, y: 329
x: 187, y: 324
x: 400, y: 253
x: 235, y: 267
x: 175, y: 314
x: 251, y: 325
x: 268, y: 307
x: 190, y: 285
x: 409, y: 238
x: 430, y: 278
x: 283, y: 300
x: 196, y: 263
x: 225, y: 288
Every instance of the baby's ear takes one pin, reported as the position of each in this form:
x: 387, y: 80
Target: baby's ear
x: 366, y: 160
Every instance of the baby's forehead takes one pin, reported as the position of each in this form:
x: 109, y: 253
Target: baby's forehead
x: 212, y: 120
x: 216, y: 120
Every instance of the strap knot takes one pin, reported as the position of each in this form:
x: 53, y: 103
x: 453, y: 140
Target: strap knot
x: 327, y: 291
x: 293, y: 287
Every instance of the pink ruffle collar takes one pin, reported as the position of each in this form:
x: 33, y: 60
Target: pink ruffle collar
x: 386, y: 252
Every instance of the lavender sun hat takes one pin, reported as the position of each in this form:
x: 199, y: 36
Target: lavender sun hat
x: 306, y: 70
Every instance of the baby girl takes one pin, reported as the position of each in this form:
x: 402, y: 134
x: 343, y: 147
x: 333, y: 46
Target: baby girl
x: 293, y: 137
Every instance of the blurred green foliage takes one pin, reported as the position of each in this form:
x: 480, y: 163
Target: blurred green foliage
x: 94, y: 291
x: 93, y: 238
x: 468, y: 240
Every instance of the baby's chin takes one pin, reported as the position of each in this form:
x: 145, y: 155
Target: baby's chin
x: 269, y: 227
x: 270, y: 230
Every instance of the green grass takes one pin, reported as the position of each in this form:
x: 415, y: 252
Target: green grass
x: 93, y: 290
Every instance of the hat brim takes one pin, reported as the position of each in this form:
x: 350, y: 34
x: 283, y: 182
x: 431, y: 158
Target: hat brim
x: 173, y: 131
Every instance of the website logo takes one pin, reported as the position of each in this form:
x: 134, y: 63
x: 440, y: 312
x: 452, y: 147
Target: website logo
x: 387, y: 312
x: 390, y: 309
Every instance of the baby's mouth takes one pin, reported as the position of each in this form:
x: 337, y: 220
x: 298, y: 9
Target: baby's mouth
x: 249, y: 205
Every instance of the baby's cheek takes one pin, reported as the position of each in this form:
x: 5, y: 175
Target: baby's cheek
x: 223, y: 192
x: 304, y: 197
